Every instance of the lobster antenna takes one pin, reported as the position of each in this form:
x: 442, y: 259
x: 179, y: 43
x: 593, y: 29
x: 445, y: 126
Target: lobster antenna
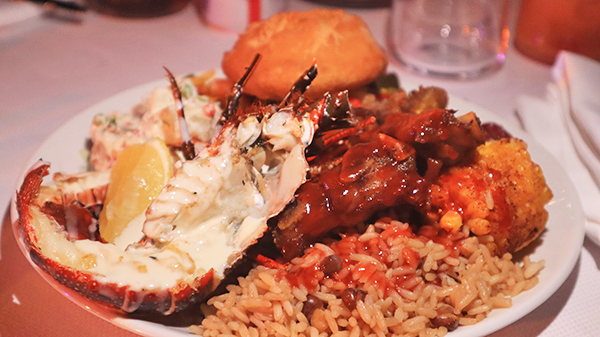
x: 294, y: 96
x: 234, y: 100
x: 187, y: 147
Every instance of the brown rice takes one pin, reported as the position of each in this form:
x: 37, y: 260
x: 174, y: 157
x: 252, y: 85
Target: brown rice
x: 412, y: 285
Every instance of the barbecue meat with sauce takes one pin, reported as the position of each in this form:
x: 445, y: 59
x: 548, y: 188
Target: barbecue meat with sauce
x: 387, y: 166
x: 434, y: 166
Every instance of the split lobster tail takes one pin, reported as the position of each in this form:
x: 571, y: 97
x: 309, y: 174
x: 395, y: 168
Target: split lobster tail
x: 208, y: 214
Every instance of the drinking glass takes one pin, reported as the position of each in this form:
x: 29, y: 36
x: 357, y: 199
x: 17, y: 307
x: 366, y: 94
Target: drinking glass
x: 235, y: 15
x: 450, y: 38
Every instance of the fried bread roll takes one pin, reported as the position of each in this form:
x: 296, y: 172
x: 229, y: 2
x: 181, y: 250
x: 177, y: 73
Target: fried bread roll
x: 346, y: 53
x: 502, y: 194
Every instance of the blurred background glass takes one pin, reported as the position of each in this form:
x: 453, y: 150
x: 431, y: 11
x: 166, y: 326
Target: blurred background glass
x: 451, y: 38
x: 235, y: 15
x: 545, y: 27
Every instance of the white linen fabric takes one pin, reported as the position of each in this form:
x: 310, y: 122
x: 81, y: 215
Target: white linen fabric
x: 566, y: 123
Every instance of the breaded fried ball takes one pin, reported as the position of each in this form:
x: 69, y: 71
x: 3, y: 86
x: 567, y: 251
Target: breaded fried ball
x: 502, y: 194
x: 347, y: 55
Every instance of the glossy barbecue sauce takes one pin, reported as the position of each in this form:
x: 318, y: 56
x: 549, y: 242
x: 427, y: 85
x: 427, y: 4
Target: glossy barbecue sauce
x: 465, y: 185
x: 381, y: 168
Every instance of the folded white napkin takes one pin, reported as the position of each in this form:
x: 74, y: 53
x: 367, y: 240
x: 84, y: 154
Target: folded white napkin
x: 567, y: 124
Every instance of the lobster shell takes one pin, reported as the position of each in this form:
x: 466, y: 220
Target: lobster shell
x: 86, y: 283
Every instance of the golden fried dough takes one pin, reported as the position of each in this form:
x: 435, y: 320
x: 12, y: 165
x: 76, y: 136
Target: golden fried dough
x: 347, y: 55
x: 502, y: 194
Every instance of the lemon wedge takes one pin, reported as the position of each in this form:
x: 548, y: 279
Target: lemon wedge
x: 137, y: 177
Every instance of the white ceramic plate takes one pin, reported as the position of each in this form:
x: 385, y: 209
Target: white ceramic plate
x: 565, y: 227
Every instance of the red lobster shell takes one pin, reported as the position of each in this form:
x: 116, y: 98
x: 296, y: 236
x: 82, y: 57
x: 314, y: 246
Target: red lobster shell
x: 30, y: 227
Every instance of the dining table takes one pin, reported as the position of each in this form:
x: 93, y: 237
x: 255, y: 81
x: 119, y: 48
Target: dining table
x: 53, y: 65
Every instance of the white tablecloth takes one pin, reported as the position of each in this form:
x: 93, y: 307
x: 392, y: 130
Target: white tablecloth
x: 51, y: 69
